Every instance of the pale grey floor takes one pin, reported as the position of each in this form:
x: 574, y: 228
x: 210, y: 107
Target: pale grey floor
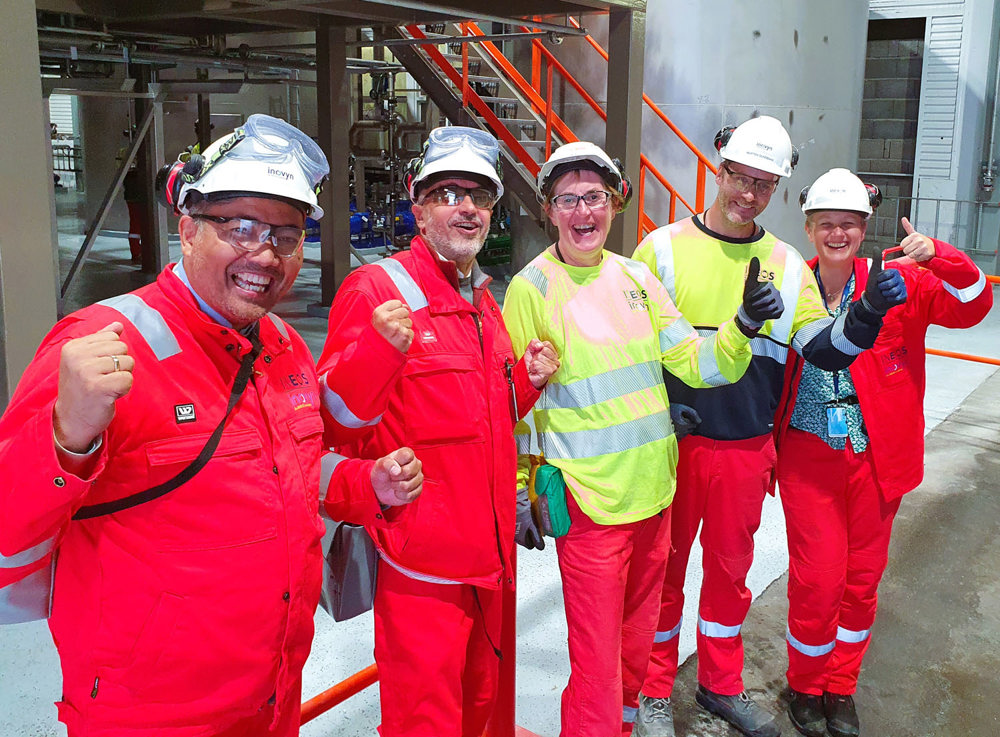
x: 29, y: 673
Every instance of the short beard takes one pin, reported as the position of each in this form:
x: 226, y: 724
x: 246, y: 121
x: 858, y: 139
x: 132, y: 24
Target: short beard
x: 452, y: 246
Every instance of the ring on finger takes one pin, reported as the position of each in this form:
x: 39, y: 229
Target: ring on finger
x: 117, y: 363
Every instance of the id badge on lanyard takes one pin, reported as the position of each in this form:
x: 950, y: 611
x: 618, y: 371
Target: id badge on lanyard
x: 836, y: 416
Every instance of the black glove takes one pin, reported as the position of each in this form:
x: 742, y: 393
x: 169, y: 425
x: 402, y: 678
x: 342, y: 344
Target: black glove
x: 526, y: 532
x: 885, y: 289
x: 685, y: 419
x: 761, y: 301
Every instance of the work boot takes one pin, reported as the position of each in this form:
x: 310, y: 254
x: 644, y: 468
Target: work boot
x: 741, y: 711
x: 841, y: 716
x: 807, y: 714
x: 655, y: 718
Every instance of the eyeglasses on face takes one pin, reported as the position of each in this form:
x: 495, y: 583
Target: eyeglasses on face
x: 744, y: 183
x: 594, y: 200
x: 452, y: 195
x: 249, y: 235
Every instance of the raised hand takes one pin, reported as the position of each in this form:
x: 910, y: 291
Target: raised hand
x: 761, y: 300
x: 397, y: 478
x: 94, y: 372
x: 885, y: 288
x: 392, y: 321
x: 541, y: 361
x: 916, y: 245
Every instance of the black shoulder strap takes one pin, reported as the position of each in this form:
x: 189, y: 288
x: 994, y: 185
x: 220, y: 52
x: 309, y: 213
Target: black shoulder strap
x: 141, y: 497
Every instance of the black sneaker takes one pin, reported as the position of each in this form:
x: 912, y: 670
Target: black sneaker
x: 807, y: 715
x: 841, y: 716
x: 741, y: 711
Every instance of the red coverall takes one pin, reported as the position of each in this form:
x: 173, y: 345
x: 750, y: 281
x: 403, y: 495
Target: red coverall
x: 839, y: 505
x: 192, y: 614
x: 454, y: 398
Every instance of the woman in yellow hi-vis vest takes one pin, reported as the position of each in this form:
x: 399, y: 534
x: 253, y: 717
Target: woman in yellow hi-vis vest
x: 603, y: 424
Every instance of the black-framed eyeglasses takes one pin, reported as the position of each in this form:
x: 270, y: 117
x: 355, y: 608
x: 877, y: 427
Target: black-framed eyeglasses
x: 594, y: 200
x: 744, y: 182
x: 247, y: 234
x: 452, y: 195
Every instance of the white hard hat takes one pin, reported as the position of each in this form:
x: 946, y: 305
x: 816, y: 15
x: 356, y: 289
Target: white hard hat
x: 264, y: 157
x: 456, y: 149
x: 584, y: 155
x: 840, y: 189
x: 762, y: 143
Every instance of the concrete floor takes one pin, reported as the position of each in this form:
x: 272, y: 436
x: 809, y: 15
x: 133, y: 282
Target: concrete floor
x: 935, y: 646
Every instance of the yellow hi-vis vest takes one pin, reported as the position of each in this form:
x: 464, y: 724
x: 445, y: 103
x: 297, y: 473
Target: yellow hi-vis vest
x: 603, y: 417
x: 704, y: 275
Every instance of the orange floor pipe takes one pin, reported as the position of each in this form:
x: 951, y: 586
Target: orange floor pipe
x: 339, y: 693
x: 964, y: 356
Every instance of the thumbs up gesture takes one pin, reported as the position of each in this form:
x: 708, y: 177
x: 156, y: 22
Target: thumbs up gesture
x: 916, y: 245
x: 761, y: 300
x: 885, y: 288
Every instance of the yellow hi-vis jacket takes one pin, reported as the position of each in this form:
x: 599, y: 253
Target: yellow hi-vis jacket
x: 704, y: 274
x: 603, y: 418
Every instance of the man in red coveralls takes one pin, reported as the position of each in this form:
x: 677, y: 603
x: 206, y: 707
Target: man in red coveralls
x: 417, y: 349
x: 190, y: 613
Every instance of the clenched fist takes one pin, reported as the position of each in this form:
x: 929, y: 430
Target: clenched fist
x: 541, y: 361
x: 94, y: 372
x: 397, y: 478
x: 392, y: 321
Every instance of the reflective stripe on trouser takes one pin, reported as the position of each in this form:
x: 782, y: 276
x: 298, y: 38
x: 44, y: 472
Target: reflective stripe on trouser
x: 721, y: 485
x: 611, y: 577
x: 838, y: 542
x: 437, y: 669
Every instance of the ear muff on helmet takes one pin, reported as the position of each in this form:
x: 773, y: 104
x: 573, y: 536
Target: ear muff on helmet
x: 793, y: 162
x: 874, y: 196
x: 171, y: 177
x: 803, y: 196
x: 723, y: 136
x: 624, y: 185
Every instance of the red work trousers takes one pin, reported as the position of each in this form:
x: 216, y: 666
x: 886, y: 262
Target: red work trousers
x: 721, y: 485
x: 434, y: 650
x: 259, y: 725
x: 611, y: 578
x: 838, y: 545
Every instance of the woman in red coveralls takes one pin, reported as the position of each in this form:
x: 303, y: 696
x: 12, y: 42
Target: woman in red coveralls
x: 852, y: 443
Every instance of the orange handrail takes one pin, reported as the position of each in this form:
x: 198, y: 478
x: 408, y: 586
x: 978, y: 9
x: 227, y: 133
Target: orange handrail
x: 339, y: 693
x: 477, y: 102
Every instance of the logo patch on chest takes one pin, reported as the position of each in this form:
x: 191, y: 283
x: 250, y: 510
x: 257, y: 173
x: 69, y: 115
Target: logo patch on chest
x: 184, y: 413
x: 428, y: 336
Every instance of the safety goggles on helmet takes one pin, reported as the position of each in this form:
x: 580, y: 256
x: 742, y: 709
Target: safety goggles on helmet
x: 249, y: 235
x: 460, y: 150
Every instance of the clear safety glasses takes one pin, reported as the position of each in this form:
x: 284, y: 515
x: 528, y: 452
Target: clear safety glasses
x: 594, y: 200
x: 249, y: 235
x: 263, y: 138
x: 744, y: 183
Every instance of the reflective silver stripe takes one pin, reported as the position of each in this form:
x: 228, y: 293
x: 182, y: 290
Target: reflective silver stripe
x: 765, y: 348
x: 807, y: 332
x: 28, y: 599
x: 278, y: 323
x: 629, y: 713
x: 708, y: 367
x: 602, y: 387
x: 523, y: 444
x: 615, y: 439
x: 714, y: 629
x: 676, y: 332
x: 327, y: 465
x: 663, y: 249
x: 337, y: 407
x: 813, y: 651
x: 669, y: 634
x: 406, y: 284
x: 966, y: 294
x: 791, y: 283
x: 534, y: 276
x: 636, y: 269
x: 414, y: 575
x: 841, y: 341
x: 148, y: 322
x: 29, y: 556
x: 852, y: 635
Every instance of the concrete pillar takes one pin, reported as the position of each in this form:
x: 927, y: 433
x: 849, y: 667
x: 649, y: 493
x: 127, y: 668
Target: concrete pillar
x: 626, y: 49
x: 28, y: 274
x: 333, y: 107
